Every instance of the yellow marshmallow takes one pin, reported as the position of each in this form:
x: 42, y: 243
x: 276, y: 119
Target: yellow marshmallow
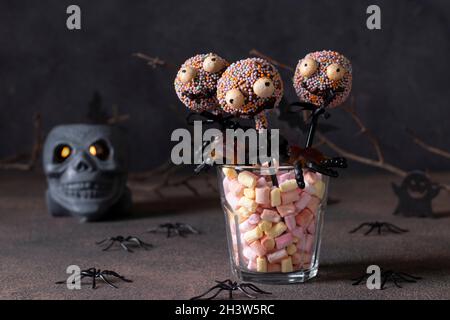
x: 275, y: 197
x: 265, y: 225
x: 320, y: 189
x: 261, y: 264
x: 286, y: 265
x: 247, y: 179
x: 288, y: 185
x: 243, y: 212
x: 291, y: 249
x: 253, y: 235
x: 276, y: 230
x: 230, y: 173
x: 249, y: 193
x: 249, y: 204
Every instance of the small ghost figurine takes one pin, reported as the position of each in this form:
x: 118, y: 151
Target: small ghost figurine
x: 320, y: 73
x: 248, y: 88
x: 196, y: 82
x: 415, y: 195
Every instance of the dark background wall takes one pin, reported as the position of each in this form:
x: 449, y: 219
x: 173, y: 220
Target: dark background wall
x: 400, y: 72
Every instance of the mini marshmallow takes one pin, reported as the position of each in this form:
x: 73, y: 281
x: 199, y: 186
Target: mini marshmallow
x: 309, y: 243
x: 243, y: 212
x: 273, y: 267
x: 261, y: 182
x: 304, y: 218
x: 312, y: 227
x: 249, y: 253
x: 298, y: 232
x: 303, y: 202
x: 232, y: 200
x: 313, y: 205
x: 261, y: 264
x: 290, y: 222
x: 275, y: 197
x: 309, y: 188
x: 249, y: 193
x: 268, y: 243
x: 320, y: 189
x: 288, y: 197
x: 296, y: 258
x: 270, y: 215
x: 258, y: 248
x: 262, y: 195
x: 277, y: 256
x: 288, y: 185
x: 246, y: 226
x: 252, y: 265
x: 253, y: 235
x: 250, y: 204
x: 310, y: 177
x: 276, y: 230
x: 254, y: 218
x: 291, y: 249
x: 286, y: 209
x: 286, y: 265
x: 284, y: 240
x: 265, y: 225
x: 286, y: 176
x: 236, y: 188
x: 230, y: 173
x: 247, y: 179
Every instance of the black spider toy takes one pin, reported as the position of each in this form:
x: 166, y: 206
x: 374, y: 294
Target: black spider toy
x: 388, y: 276
x: 415, y: 195
x: 125, y: 243
x: 177, y: 228
x: 388, y: 227
x: 99, y: 274
x: 231, y: 286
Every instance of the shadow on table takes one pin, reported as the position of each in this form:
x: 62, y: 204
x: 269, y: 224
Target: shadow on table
x: 350, y: 270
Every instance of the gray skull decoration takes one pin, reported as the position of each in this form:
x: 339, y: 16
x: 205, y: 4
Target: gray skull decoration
x: 86, y: 169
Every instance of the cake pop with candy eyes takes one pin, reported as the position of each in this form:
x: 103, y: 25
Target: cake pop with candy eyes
x: 196, y: 82
x: 323, y: 78
x: 248, y: 88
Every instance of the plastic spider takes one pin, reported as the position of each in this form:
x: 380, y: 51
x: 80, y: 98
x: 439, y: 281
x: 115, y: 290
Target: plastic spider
x: 99, y: 274
x: 231, y: 286
x: 177, y: 228
x: 389, y: 227
x: 125, y: 242
x: 388, y: 275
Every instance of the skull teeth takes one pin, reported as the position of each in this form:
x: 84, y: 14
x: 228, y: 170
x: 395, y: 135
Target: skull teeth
x: 86, y: 190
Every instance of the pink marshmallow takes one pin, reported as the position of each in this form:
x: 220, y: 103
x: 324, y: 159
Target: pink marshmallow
x: 312, y: 227
x: 309, y: 243
x: 286, y: 176
x: 290, y: 222
x: 304, y: 218
x: 252, y: 265
x: 298, y: 232
x: 286, y: 209
x: 232, y: 200
x: 310, y: 177
x: 288, y: 197
x: 262, y: 195
x: 254, y: 219
x: 273, y: 267
x: 270, y: 215
x: 296, y: 258
x: 249, y: 253
x: 313, y: 204
x: 284, y: 240
x: 246, y: 226
x: 303, y: 202
x: 236, y: 188
x: 258, y: 248
x: 277, y: 256
x: 261, y: 182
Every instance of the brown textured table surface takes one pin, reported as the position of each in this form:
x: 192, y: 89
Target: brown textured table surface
x: 35, y: 249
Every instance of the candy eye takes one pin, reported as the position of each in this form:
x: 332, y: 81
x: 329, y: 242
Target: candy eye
x: 213, y: 64
x: 308, y: 67
x: 62, y: 152
x: 186, y: 74
x: 99, y: 149
x: 235, y: 99
x: 263, y: 87
x: 335, y: 72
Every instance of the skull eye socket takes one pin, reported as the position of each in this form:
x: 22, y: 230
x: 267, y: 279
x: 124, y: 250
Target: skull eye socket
x: 99, y: 149
x: 61, y: 153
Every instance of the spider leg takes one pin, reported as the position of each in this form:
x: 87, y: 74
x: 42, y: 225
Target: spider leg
x: 370, y: 230
x: 101, y: 276
x: 211, y: 289
x: 321, y: 169
x: 408, y: 276
x: 100, y: 242
x: 115, y: 274
x: 389, y: 228
x: 385, y: 279
x: 299, y: 175
x: 94, y: 285
x: 108, y: 246
x: 191, y: 229
x: 255, y: 288
x: 397, y: 228
x: 379, y: 228
x: 359, y: 227
x: 124, y: 246
x: 245, y: 292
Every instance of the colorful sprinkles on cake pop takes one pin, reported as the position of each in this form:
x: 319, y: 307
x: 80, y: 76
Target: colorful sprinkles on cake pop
x: 321, y: 71
x: 248, y: 87
x: 196, y: 82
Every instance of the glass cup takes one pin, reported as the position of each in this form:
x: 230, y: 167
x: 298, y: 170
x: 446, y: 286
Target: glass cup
x: 273, y: 232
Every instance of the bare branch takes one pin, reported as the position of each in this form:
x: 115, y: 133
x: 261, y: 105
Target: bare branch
x: 153, y: 62
x: 256, y: 53
x: 427, y: 146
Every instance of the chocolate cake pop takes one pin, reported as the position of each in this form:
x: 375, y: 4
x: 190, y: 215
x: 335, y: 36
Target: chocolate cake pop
x: 248, y: 88
x: 320, y: 72
x: 196, y: 82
